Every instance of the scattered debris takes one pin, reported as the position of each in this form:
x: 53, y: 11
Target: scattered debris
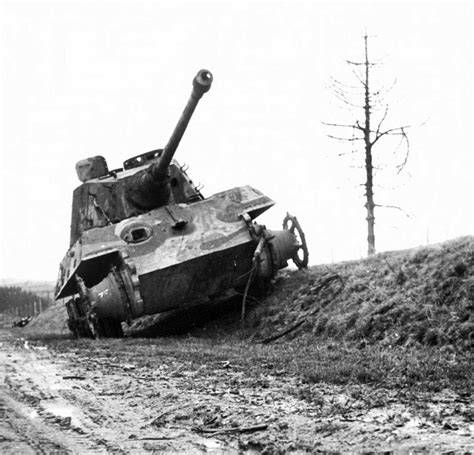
x: 216, y: 431
x: 285, y: 332
x: 22, y: 322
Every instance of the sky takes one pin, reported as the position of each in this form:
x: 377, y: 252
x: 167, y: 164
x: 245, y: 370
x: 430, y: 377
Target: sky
x: 83, y: 78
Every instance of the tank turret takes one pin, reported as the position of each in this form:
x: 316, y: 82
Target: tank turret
x: 146, y: 181
x: 149, y: 188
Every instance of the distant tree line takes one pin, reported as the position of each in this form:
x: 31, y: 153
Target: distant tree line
x: 12, y: 297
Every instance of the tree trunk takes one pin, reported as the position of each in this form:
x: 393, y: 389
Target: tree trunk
x: 369, y: 185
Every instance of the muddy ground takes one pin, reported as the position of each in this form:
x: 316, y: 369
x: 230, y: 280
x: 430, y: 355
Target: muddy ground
x: 192, y: 395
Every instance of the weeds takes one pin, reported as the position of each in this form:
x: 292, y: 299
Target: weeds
x: 408, y: 368
x: 422, y: 296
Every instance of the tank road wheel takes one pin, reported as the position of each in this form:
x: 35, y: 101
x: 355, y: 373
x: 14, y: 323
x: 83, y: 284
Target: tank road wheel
x: 72, y: 317
x: 109, y: 328
x: 300, y: 258
x: 77, y: 319
x: 104, y: 327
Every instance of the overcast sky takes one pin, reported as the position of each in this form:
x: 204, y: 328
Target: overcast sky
x: 84, y: 78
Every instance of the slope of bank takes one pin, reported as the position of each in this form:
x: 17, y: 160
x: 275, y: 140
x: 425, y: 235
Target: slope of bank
x: 50, y: 323
x: 423, y: 295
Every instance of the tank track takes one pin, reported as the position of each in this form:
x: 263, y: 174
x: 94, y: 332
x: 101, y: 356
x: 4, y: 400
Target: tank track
x: 84, y: 324
x: 77, y: 319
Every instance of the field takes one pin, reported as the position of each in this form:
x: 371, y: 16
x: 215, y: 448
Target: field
x: 363, y: 356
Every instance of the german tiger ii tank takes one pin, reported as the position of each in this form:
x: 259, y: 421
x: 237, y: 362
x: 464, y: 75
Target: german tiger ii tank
x: 144, y: 240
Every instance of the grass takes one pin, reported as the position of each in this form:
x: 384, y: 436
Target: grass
x: 393, y: 368
x: 423, y: 296
x: 402, y: 368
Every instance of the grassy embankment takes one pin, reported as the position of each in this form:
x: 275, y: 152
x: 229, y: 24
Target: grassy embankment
x: 398, y: 318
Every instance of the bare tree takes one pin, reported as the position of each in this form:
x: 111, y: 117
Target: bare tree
x: 370, y: 109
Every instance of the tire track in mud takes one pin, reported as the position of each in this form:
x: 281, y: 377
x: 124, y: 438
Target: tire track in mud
x: 19, y: 435
x: 36, y: 402
x: 127, y: 396
x: 83, y: 406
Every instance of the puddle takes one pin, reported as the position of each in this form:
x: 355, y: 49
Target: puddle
x: 215, y: 446
x: 61, y: 409
x: 212, y: 444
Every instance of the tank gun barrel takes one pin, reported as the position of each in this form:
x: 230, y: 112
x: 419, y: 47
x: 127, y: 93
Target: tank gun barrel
x: 149, y: 188
x: 201, y: 84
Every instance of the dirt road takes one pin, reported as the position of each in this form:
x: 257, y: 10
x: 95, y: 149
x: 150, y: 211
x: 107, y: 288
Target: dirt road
x: 190, y: 396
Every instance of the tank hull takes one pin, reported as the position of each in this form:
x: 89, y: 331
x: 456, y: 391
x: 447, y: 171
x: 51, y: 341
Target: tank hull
x: 172, y: 235
x: 170, y: 258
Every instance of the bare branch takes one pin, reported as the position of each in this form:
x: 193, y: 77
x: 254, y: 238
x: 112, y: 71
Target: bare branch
x: 345, y: 101
x: 359, y: 126
x: 355, y: 63
x: 394, y: 207
x: 342, y: 84
x: 352, y: 152
x: 359, y: 77
x: 399, y: 130
x: 401, y: 166
x: 361, y: 63
x: 344, y: 91
x: 383, y: 89
x: 381, y: 121
x: 379, y: 61
x: 389, y: 88
x: 378, y: 102
x: 348, y: 139
x: 340, y: 125
x: 389, y: 206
